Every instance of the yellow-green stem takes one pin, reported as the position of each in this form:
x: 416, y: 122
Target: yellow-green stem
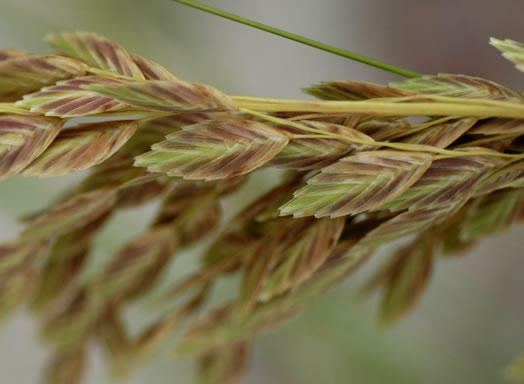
x: 382, y: 108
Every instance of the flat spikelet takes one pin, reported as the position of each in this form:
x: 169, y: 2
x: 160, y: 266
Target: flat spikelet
x: 135, y: 267
x: 406, y: 223
x: 215, y: 150
x: 451, y: 85
x: 23, y: 139
x: 301, y: 253
x: 63, y: 264
x: 192, y: 209
x: 68, y: 330
x: 166, y: 95
x: 14, y: 289
x: 96, y: 51
x: 358, y: 183
x: 511, y: 50
x: 509, y: 176
x: 405, y: 278
x: 82, y: 147
x: 71, y: 214
x: 447, y: 181
x: 69, y: 99
x: 152, y: 70
x: 493, y: 213
x: 23, y: 74
x: 13, y: 254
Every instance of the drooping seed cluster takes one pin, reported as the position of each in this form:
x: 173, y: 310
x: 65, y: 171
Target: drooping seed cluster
x: 357, y: 177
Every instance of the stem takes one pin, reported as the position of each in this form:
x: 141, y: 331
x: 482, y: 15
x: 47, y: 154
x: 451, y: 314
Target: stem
x: 443, y: 153
x: 383, y: 108
x: 303, y: 40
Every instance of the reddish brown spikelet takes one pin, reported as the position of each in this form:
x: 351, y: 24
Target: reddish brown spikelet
x: 23, y: 139
x: 491, y: 214
x: 136, y: 266
x: 71, y: 214
x: 82, y: 147
x: 406, y: 277
x: 302, y: 251
x: 511, y: 175
x: 152, y: 70
x: 141, y: 193
x: 166, y: 95
x: 63, y: 265
x: 452, y: 85
x: 358, y: 183
x: 18, y: 255
x: 214, y: 150
x: 10, y: 53
x: 69, y: 328
x: 312, y: 153
x: 68, y: 99
x: 21, y: 75
x: 448, y: 181
x: 193, y: 209
x: 406, y: 223
x: 113, y: 334
x: 223, y: 326
x: 96, y: 51
x: 15, y: 288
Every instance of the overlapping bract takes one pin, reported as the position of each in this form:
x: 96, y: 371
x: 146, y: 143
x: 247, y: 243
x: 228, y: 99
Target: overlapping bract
x: 358, y: 183
x: 22, y: 74
x: 166, y: 95
x: 96, y: 51
x: 214, y: 150
x: 68, y: 99
x: 23, y: 139
x: 82, y: 147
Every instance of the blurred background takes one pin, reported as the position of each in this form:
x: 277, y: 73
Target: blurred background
x: 470, y: 323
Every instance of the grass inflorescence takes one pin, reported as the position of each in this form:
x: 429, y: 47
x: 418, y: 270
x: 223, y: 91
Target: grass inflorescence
x: 358, y: 175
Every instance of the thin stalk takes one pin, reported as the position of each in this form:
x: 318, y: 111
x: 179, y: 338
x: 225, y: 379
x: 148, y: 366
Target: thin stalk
x: 454, y: 100
x: 303, y: 40
x: 443, y: 153
x: 383, y: 108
